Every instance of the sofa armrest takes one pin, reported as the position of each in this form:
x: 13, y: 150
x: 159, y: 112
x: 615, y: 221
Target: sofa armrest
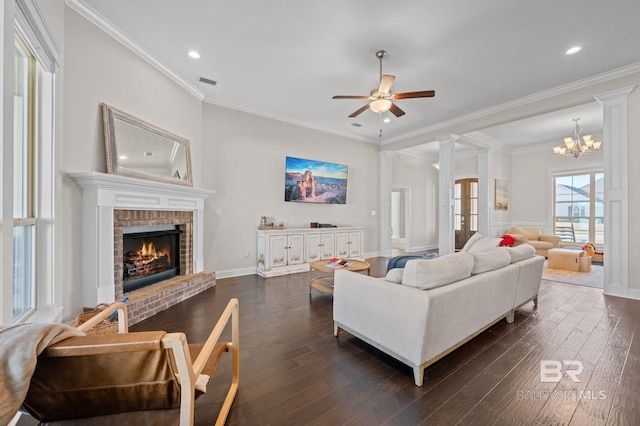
x: 553, y: 239
x: 392, y: 315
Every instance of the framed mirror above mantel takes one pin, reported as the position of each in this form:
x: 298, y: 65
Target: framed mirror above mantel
x: 139, y: 149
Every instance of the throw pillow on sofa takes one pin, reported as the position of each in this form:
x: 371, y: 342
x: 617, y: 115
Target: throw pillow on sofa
x: 432, y: 273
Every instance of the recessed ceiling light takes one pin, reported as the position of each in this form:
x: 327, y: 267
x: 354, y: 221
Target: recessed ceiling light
x: 574, y: 49
x: 194, y: 54
x: 387, y: 120
x: 122, y: 157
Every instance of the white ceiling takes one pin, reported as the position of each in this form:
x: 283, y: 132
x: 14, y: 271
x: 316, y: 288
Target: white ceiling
x: 286, y: 59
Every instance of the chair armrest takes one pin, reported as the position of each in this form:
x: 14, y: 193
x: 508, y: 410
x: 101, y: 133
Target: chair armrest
x: 553, y: 239
x: 230, y: 312
x: 106, y: 343
x: 123, y: 321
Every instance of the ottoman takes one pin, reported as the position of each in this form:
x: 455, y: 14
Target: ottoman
x: 569, y: 260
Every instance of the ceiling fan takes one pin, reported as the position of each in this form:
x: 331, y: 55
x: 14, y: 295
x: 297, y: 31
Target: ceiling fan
x: 382, y: 98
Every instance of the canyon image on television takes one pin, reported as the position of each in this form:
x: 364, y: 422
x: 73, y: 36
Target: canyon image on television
x: 309, y: 181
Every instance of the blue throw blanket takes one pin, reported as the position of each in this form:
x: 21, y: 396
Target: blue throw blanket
x: 400, y: 261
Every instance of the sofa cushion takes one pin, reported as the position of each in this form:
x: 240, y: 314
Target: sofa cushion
x: 483, y: 244
x: 426, y: 274
x: 470, y: 241
x: 489, y: 260
x: 530, y: 233
x: 521, y: 252
x: 395, y: 275
x: 541, y: 245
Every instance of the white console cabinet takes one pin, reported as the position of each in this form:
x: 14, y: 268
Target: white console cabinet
x: 287, y: 251
x: 349, y: 244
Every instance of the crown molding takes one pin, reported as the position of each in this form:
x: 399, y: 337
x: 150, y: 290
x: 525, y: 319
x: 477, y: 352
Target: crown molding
x: 560, y: 90
x: 111, y: 29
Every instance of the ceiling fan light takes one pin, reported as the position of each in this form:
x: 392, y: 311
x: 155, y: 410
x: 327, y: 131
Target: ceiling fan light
x: 380, y: 105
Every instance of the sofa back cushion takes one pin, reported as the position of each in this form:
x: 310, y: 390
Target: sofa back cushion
x: 489, y: 260
x: 521, y: 252
x: 484, y: 244
x: 530, y: 233
x: 426, y: 274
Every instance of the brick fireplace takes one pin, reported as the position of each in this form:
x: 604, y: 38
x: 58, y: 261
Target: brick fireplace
x: 112, y: 204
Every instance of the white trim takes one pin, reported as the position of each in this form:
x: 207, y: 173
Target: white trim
x: 102, y: 194
x: 36, y: 31
x: 123, y: 38
x: 556, y: 91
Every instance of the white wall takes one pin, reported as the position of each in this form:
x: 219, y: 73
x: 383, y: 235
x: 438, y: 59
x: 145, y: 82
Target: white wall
x: 244, y: 161
x: 531, y: 192
x: 95, y: 69
x: 421, y: 178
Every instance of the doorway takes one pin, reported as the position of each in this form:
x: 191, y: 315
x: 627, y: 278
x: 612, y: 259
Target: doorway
x: 400, y: 220
x: 465, y: 210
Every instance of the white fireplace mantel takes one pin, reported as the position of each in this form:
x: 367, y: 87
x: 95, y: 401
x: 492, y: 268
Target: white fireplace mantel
x: 102, y: 194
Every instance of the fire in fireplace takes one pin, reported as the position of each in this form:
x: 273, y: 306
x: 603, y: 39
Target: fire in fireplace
x: 150, y: 255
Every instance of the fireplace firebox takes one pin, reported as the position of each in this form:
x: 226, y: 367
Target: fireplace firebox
x: 150, y: 254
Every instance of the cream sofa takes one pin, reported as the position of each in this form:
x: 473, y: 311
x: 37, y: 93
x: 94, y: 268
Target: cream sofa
x: 434, y: 306
x: 534, y: 236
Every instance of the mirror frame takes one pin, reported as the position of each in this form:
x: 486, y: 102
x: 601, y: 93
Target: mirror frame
x: 109, y: 115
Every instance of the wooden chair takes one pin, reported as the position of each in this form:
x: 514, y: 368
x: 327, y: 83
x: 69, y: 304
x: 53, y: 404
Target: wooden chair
x: 141, y: 378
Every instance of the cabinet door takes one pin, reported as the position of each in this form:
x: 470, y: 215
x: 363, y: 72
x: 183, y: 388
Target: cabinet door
x: 277, y: 250
x: 328, y: 246
x: 342, y: 244
x: 295, y: 249
x: 355, y: 244
x: 314, y: 247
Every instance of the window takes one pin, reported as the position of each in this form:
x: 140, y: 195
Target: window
x: 579, y: 207
x: 28, y: 227
x: 24, y: 220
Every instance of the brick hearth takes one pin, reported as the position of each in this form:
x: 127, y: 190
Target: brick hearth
x: 152, y: 299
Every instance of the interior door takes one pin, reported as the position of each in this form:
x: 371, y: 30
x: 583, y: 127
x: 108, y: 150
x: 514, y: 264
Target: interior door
x: 465, y: 210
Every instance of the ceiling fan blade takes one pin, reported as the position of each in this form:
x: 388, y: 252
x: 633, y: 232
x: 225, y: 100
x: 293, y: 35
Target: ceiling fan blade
x: 360, y: 111
x: 349, y: 97
x: 395, y: 110
x: 385, y: 83
x: 422, y: 94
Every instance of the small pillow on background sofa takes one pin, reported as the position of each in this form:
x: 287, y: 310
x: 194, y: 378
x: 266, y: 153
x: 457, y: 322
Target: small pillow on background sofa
x: 426, y: 274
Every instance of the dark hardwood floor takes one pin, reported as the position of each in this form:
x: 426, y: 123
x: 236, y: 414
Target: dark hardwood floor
x: 294, y: 371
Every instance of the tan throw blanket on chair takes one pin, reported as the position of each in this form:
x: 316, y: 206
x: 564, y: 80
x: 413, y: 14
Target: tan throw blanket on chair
x: 20, y: 346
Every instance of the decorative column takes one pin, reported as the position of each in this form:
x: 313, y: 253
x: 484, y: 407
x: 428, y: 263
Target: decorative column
x: 484, y: 193
x: 446, y: 182
x: 616, y: 191
x: 386, y: 178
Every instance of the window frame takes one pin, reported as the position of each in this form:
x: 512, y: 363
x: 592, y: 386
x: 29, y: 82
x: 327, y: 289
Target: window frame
x: 592, y: 217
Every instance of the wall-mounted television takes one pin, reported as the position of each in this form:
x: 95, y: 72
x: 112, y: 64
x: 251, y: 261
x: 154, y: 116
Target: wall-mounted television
x: 309, y: 181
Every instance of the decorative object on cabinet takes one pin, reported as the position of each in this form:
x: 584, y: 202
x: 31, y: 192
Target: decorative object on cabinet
x: 139, y: 149
x: 310, y: 181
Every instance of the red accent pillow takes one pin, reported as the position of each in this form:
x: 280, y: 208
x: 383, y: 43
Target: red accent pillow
x: 507, y: 241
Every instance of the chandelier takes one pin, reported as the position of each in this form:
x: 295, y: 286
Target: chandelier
x: 577, y: 145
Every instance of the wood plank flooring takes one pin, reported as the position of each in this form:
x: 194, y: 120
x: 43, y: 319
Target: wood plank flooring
x: 295, y: 372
